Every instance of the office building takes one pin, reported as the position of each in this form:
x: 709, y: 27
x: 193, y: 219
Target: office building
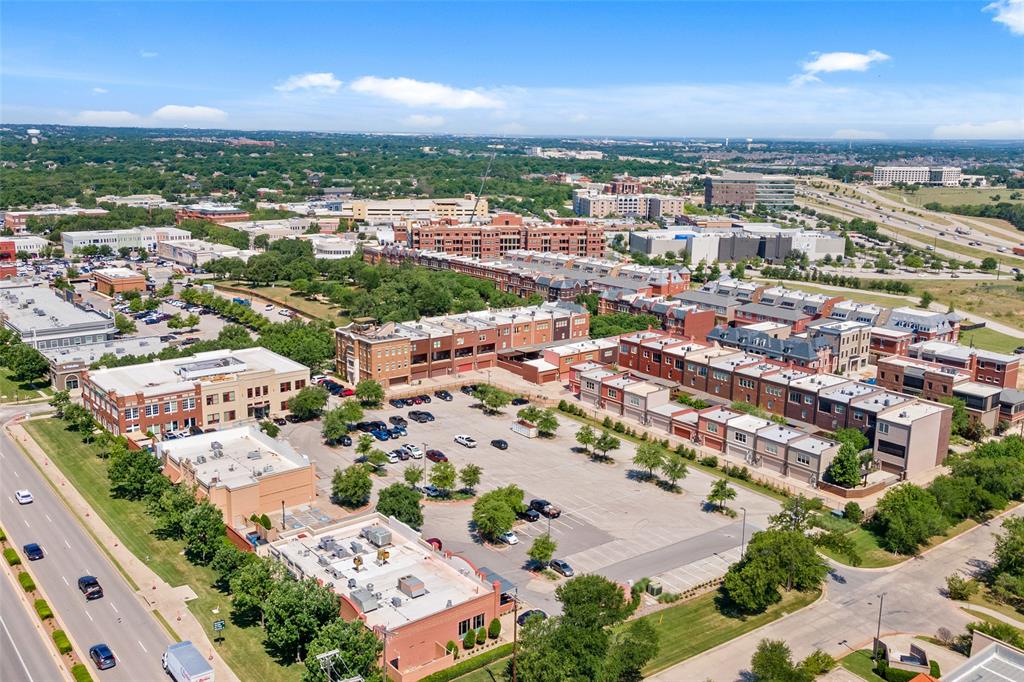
x: 195, y: 253
x: 505, y: 232
x: 132, y: 238
x: 389, y: 210
x: 216, y: 388
x: 113, y: 281
x: 17, y: 221
x: 741, y: 241
x: 241, y: 470
x: 68, y: 364
x: 749, y: 190
x: 332, y: 247
x: 405, y: 590
x: 945, y: 176
x: 44, y: 318
x: 147, y: 201
x: 30, y: 244
x: 592, y: 203
x: 210, y: 212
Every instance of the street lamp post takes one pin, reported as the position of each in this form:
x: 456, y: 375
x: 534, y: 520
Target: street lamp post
x: 743, y: 535
x: 878, y: 630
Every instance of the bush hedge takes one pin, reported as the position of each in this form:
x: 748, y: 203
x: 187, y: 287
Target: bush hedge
x: 3, y: 535
x: 481, y: 636
x: 12, y: 556
x: 470, y: 664
x: 43, y: 609
x: 494, y: 628
x: 60, y: 638
x: 469, y: 640
x: 80, y: 673
x: 26, y: 581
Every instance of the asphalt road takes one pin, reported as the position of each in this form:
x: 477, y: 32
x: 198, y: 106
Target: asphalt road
x: 23, y: 653
x: 120, y: 619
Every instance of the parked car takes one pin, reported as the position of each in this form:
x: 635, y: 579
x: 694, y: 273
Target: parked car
x: 413, y: 450
x: 102, y: 656
x: 345, y: 440
x: 531, y: 613
x: 468, y: 389
x: 395, y: 456
x: 347, y: 393
x: 466, y: 441
x: 398, y: 421
x: 431, y: 491
x: 424, y: 398
x: 436, y: 456
x: 395, y: 402
x: 500, y: 443
x: 520, y: 401
x: 510, y: 538
x: 280, y: 421
x: 530, y: 515
x: 90, y: 587
x: 546, y: 508
x: 33, y: 551
x: 269, y: 306
x: 443, y: 395
x: 563, y: 567
x: 397, y: 432
x: 380, y: 434
x: 23, y: 496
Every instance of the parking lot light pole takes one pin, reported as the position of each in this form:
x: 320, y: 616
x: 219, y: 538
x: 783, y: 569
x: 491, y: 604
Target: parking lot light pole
x: 743, y: 535
x: 878, y: 631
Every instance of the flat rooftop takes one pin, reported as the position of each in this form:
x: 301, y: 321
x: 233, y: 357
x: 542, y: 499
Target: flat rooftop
x: 29, y: 308
x: 909, y: 413
x: 817, y: 382
x: 233, y: 458
x: 748, y: 422
x: 165, y: 376
x: 780, y: 434
x: 118, y: 273
x: 91, y: 352
x: 329, y: 556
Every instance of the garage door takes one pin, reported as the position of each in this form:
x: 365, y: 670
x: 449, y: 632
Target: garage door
x: 739, y: 452
x: 464, y: 367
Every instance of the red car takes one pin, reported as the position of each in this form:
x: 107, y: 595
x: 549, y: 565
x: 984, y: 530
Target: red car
x: 436, y: 456
x: 346, y: 392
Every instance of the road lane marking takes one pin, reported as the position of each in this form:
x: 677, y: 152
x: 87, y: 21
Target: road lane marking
x: 67, y: 544
x: 27, y: 524
x: 141, y: 646
x: 65, y: 581
x: 15, y: 647
x: 114, y: 607
x: 48, y: 518
x: 16, y: 473
x: 89, y: 614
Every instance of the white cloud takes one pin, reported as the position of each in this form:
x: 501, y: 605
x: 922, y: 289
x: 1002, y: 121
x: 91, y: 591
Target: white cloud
x: 100, y: 91
x: 148, y: 54
x: 416, y: 93
x: 830, y: 62
x: 423, y: 121
x: 107, y: 118
x: 184, y: 114
x: 323, y: 82
x: 855, y: 134
x: 1009, y: 12
x: 992, y: 130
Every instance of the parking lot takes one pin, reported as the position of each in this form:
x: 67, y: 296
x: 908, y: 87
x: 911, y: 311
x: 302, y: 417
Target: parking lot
x: 610, y: 524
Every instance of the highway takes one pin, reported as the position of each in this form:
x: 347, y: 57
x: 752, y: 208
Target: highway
x: 120, y: 619
x: 24, y: 653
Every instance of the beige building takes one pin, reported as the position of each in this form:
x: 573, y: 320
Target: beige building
x: 850, y: 342
x: 195, y: 253
x: 906, y: 437
x: 376, y: 211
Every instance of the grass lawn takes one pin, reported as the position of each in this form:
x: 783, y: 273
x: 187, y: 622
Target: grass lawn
x: 953, y: 196
x: 13, y: 391
x: 989, y: 339
x: 984, y: 598
x: 242, y: 648
x: 860, y: 664
x: 489, y: 673
x: 285, y: 295
x: 696, y: 626
x: 872, y: 556
x: 858, y: 295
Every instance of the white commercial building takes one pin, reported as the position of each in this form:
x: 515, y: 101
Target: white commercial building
x: 136, y: 201
x: 133, y: 238
x: 195, y: 253
x: 44, y: 320
x: 29, y: 244
x: 947, y: 176
x: 331, y: 247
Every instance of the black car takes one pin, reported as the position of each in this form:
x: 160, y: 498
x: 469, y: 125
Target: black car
x: 416, y: 416
x: 90, y: 587
x: 345, y: 440
x: 520, y: 401
x: 280, y: 421
x: 102, y: 656
x: 398, y: 421
x: 532, y: 613
x: 33, y: 551
x: 428, y: 416
x: 468, y: 389
x: 500, y: 444
x: 530, y: 515
x: 396, y: 402
x: 365, y: 427
x: 443, y: 395
x: 424, y: 398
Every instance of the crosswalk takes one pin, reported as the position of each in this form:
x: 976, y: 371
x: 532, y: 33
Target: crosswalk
x: 697, y: 572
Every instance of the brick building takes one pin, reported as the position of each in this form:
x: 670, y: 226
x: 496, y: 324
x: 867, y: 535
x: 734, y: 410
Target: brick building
x: 214, y: 213
x: 113, y: 281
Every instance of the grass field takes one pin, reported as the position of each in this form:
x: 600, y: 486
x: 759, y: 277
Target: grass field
x: 860, y: 664
x: 983, y: 598
x: 489, y: 673
x: 242, y: 648
x: 285, y: 295
x: 953, y: 196
x: 696, y: 626
x: 992, y: 340
x: 871, y: 554
x: 13, y: 391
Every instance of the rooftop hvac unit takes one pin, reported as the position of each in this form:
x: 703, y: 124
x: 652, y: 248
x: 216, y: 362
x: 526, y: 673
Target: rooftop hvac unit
x: 351, y: 583
x: 216, y: 445
x: 377, y: 536
x: 323, y: 560
x: 254, y: 454
x: 201, y: 459
x: 269, y: 468
x: 257, y: 473
x: 396, y: 601
x: 327, y: 542
x: 364, y: 600
x: 357, y: 548
x: 411, y: 586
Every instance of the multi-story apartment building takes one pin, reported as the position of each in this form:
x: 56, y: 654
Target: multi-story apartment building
x: 926, y: 325
x: 214, y: 213
x: 850, y: 343
x: 751, y: 313
x: 212, y: 389
x: 592, y: 203
x: 885, y: 342
x: 17, y: 221
x: 986, y: 367
x: 132, y: 238
x: 506, y: 232
x: 946, y: 176
x: 388, y: 210
x: 598, y: 351
x: 749, y: 190
x: 397, y: 353
x: 933, y: 381
x: 812, y: 355
x: 678, y: 319
x: 912, y: 437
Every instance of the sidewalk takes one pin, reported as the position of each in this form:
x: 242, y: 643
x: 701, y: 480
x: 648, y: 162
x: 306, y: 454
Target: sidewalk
x: 169, y: 603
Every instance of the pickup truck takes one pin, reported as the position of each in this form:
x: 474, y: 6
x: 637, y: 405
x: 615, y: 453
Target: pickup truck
x: 184, y: 663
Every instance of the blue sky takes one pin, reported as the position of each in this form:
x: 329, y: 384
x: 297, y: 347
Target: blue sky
x: 950, y: 69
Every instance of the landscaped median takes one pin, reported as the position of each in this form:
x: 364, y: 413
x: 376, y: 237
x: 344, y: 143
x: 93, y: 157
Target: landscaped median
x: 44, y: 612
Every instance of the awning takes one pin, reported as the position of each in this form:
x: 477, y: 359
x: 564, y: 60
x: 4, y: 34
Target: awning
x: 492, y: 577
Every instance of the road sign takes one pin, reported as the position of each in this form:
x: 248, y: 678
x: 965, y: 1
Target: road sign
x: 218, y: 625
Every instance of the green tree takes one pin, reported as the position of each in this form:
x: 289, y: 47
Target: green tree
x: 261, y: 242
x: 774, y: 559
x: 927, y: 298
x: 369, y: 392
x: 129, y: 471
x: 351, y: 486
x: 335, y: 424
x: 413, y: 474
x: 492, y: 398
x: 492, y: 516
x: 26, y: 363
x: 555, y: 651
x: 547, y: 423
x: 124, y: 324
x: 592, y: 602
x: 308, y: 403
x: 1009, y: 549
x: 989, y: 263
x: 845, y: 468
x: 442, y: 476
x: 170, y: 509
x: 469, y: 476
x: 295, y: 612
x: 542, y: 549
x: 270, y: 428
x: 359, y: 652
x: 629, y: 650
x: 857, y: 440
x: 251, y: 586
x: 403, y: 503
x: 606, y: 442
x: 721, y: 492
x: 649, y: 456
x: 586, y: 437
x: 202, y: 529
x: 674, y: 468
x: 905, y: 517
x: 60, y: 402
x: 773, y: 662
x: 263, y: 268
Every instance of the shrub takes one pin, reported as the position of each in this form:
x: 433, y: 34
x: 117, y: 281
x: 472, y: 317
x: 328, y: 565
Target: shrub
x: 452, y: 648
x: 469, y: 665
x: 607, y: 422
x: 853, y: 512
x: 26, y: 581
x: 619, y: 427
x: 80, y: 673
x: 563, y: 406
x: 469, y: 640
x: 60, y: 638
x: 818, y: 663
x: 709, y: 461
x: 960, y: 589
x: 934, y: 670
x: 43, y: 609
x: 494, y: 629
x: 12, y: 556
x: 3, y: 535
x: 481, y: 635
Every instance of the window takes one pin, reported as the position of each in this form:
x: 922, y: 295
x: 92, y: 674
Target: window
x: 794, y: 398
x: 478, y: 621
x: 804, y: 459
x: 612, y: 393
x: 808, y: 400
x: 883, y: 428
x: 463, y: 627
x: 590, y: 385
x: 170, y: 407
x: 153, y: 410
x: 300, y: 383
x: 248, y: 392
x: 634, y: 400
x: 286, y: 386
x: 228, y: 397
x: 188, y: 404
x: 213, y: 418
x: 229, y: 416
x: 212, y: 399
x: 712, y: 427
x: 740, y: 437
x: 747, y: 383
x: 771, y: 448
x: 131, y: 413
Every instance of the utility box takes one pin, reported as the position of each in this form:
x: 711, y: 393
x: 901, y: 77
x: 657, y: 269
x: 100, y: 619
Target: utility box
x: 377, y: 536
x: 411, y: 586
x: 654, y: 588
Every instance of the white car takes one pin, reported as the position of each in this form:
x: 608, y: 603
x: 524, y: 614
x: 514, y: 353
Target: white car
x: 269, y: 306
x: 413, y: 451
x: 510, y: 538
x: 465, y: 440
x: 285, y: 312
x: 393, y: 457
x: 23, y: 496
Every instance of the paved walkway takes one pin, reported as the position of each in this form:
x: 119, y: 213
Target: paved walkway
x: 167, y: 600
x: 1015, y: 622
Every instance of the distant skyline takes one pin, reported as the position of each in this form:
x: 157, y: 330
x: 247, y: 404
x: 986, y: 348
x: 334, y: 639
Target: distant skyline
x: 843, y: 70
